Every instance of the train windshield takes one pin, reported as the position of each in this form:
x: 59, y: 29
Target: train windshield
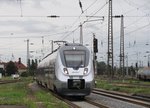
x: 75, y: 59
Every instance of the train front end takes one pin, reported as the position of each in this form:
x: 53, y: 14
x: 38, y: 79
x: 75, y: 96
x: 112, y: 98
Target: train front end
x: 74, y: 71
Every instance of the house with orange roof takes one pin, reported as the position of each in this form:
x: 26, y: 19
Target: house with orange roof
x: 21, y: 67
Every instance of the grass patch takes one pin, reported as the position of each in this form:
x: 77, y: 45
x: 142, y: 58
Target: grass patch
x: 12, y: 93
x: 104, y: 84
x: 6, y: 78
x: 20, y: 94
x: 16, y: 93
x: 49, y: 101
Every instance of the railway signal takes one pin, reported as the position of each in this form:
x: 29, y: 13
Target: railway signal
x: 95, y: 50
x: 95, y: 45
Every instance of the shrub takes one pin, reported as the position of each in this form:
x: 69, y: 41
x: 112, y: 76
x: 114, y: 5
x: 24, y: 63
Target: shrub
x: 24, y: 74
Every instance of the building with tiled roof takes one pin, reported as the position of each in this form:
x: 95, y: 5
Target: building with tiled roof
x: 21, y: 67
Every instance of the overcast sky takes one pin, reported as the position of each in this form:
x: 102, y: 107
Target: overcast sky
x: 27, y: 19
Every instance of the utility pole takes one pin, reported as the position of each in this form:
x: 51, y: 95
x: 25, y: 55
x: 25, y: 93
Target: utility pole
x: 52, y: 46
x: 0, y: 58
x: 148, y: 64
x: 81, y: 34
x: 28, y: 54
x: 127, y: 69
x: 122, y: 46
x: 110, y: 62
x: 42, y: 46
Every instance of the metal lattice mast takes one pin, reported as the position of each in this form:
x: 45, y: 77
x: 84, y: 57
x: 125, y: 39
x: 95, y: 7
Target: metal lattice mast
x: 122, y: 46
x: 110, y: 61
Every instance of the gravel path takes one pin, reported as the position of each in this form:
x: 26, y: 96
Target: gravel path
x: 33, y: 88
x: 85, y: 105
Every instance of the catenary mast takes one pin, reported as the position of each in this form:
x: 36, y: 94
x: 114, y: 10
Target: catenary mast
x: 110, y: 61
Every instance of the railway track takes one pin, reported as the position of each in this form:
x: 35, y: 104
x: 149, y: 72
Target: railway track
x: 85, y: 103
x: 76, y: 102
x: 8, y: 81
x: 91, y: 103
x: 124, y: 97
x: 71, y: 104
x: 146, y: 97
x: 99, y: 105
x: 88, y: 103
x: 132, y: 85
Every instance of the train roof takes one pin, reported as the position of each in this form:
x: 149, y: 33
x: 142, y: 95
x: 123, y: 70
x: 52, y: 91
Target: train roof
x: 67, y: 46
x: 73, y: 44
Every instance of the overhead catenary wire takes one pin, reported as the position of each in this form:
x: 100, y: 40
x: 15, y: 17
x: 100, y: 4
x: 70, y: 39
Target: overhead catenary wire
x: 134, y: 16
x: 34, y: 36
x: 66, y: 35
x: 69, y: 32
x: 140, y: 28
x: 94, y: 13
x: 21, y: 14
x: 136, y: 8
x: 133, y: 4
x: 67, y: 16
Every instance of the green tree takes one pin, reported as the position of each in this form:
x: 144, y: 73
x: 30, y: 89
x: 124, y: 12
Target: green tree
x: 101, y: 68
x: 36, y: 63
x: 28, y: 65
x: 11, y: 68
x: 33, y: 65
x: 2, y: 71
x: 132, y: 71
x: 32, y: 68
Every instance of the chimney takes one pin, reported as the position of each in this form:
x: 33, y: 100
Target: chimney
x: 19, y: 61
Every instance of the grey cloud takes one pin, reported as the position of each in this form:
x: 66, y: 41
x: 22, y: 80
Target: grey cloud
x: 56, y: 2
x: 9, y: 2
x: 93, y: 27
x: 30, y: 26
x: 36, y: 3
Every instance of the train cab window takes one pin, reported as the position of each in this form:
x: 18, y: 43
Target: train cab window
x: 74, y: 59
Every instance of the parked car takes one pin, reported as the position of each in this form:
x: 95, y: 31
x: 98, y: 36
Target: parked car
x: 15, y: 76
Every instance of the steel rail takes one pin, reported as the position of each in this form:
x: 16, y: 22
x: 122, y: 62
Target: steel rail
x: 8, y: 81
x: 132, y: 85
x: 122, y: 97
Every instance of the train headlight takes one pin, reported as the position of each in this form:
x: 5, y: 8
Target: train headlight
x: 66, y: 71
x: 85, y: 71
